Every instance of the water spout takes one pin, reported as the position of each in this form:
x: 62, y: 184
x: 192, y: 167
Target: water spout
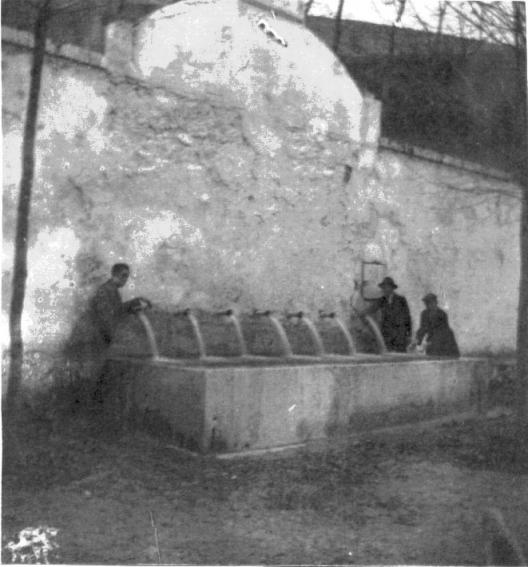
x: 154, y: 352
x: 298, y: 315
x: 377, y: 333
x: 279, y: 330
x: 196, y: 330
x: 317, y: 342
x: 238, y: 330
x: 346, y: 333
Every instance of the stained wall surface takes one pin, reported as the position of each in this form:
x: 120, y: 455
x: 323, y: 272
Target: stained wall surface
x: 444, y: 229
x: 246, y: 184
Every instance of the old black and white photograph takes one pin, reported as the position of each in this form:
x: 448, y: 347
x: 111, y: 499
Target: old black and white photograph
x: 264, y: 282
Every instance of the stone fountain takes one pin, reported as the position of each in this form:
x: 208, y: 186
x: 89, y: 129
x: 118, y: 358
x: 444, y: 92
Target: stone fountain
x: 234, y: 382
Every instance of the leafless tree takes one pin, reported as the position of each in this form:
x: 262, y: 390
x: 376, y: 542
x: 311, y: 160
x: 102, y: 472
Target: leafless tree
x: 24, y: 202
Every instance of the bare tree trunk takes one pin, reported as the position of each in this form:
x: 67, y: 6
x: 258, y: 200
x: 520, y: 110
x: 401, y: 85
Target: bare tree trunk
x: 519, y: 15
x: 442, y: 7
x: 24, y: 202
x: 522, y: 313
x: 337, y: 28
x: 389, y: 61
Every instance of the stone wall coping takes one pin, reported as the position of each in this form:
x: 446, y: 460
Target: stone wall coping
x: 95, y: 59
x: 24, y: 39
x: 66, y: 50
x: 444, y: 159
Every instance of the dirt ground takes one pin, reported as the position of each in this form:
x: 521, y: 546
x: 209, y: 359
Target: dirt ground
x: 411, y: 496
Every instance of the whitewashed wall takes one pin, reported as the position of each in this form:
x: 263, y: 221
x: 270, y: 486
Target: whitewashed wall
x: 225, y: 189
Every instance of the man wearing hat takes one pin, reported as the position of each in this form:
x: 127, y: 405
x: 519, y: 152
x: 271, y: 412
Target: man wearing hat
x: 396, y: 324
x: 434, y: 325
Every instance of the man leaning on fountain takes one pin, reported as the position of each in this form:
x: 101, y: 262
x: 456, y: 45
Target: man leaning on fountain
x: 396, y: 324
x: 107, y: 307
x: 93, y: 333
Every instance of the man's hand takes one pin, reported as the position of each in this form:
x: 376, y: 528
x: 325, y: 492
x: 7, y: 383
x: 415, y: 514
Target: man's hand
x: 145, y: 303
x: 139, y: 304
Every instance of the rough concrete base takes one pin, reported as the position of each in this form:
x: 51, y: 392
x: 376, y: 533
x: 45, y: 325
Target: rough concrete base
x: 253, y: 406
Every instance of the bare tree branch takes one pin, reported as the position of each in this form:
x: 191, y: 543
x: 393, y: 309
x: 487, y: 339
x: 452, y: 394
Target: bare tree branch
x: 476, y: 21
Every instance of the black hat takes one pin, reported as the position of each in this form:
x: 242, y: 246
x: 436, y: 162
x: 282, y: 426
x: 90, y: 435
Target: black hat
x: 388, y: 281
x: 428, y: 297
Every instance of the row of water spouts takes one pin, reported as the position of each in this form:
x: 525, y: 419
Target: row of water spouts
x: 274, y: 320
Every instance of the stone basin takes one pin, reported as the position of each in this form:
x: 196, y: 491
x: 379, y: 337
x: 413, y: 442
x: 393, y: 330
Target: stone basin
x: 258, y: 402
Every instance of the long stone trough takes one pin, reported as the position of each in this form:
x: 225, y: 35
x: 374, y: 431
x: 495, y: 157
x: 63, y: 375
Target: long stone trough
x: 236, y: 407
x: 250, y: 401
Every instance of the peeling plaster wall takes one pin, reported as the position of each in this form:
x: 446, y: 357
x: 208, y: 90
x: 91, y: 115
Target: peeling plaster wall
x: 237, y: 198
x: 231, y: 50
x: 189, y: 191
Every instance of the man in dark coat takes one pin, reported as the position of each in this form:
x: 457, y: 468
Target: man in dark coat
x: 435, y: 326
x: 96, y: 327
x: 107, y: 308
x: 396, y: 324
x: 93, y: 333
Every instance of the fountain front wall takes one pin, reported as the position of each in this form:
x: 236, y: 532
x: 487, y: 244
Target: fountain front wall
x: 166, y: 401
x: 247, y: 407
